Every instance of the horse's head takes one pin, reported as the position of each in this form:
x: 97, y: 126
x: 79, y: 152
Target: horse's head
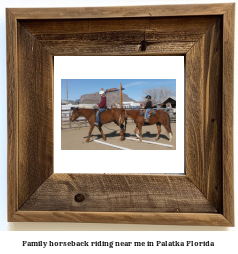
x: 75, y: 114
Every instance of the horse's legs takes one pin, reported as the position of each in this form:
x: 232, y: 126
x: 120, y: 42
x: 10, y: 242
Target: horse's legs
x: 168, y: 129
x: 122, y: 132
x: 100, y: 129
x: 170, y: 136
x: 159, y: 130
x: 90, y: 132
x: 135, y: 131
x: 140, y: 131
x: 121, y: 125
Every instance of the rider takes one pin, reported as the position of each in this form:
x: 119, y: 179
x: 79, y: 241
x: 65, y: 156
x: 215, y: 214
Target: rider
x: 148, y: 107
x: 102, y: 106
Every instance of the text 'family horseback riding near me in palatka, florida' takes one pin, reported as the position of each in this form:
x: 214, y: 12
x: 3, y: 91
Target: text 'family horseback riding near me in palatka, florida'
x: 116, y: 244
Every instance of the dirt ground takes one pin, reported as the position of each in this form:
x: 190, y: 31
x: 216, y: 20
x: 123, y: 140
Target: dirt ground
x: 74, y: 138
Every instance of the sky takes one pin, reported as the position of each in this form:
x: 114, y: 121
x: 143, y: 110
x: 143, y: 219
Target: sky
x: 133, y: 87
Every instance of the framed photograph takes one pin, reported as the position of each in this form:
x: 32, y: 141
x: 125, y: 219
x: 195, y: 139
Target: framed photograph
x: 160, y: 77
x: 203, y: 195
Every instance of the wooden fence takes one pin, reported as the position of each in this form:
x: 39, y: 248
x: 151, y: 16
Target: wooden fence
x: 67, y: 124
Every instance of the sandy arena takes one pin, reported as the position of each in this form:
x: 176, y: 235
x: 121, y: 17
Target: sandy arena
x: 75, y: 138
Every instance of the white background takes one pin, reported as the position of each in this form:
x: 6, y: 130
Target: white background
x: 12, y: 240
x: 119, y: 67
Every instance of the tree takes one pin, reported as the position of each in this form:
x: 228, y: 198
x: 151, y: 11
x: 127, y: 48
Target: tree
x: 159, y: 94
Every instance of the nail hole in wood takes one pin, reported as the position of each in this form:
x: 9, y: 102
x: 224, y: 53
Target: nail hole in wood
x: 213, y: 120
x: 79, y: 198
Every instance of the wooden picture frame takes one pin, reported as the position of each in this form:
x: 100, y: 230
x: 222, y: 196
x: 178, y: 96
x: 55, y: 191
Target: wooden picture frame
x: 204, y: 34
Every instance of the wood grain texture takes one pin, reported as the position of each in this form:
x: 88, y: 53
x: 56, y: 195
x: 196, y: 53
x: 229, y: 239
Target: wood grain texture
x: 189, y: 26
x: 114, y: 193
x: 191, y: 219
x: 203, y: 119
x: 121, y: 12
x: 174, y: 36
x: 35, y: 102
x: 227, y: 113
x: 115, y: 49
x: 12, y: 114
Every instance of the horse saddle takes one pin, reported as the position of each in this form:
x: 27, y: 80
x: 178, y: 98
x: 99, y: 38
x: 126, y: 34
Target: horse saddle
x: 102, y: 113
x: 151, y: 112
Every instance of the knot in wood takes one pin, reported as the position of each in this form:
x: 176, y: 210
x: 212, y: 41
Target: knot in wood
x: 143, y: 45
x: 79, y: 198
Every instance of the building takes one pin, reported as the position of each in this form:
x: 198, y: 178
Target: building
x: 84, y: 105
x: 129, y: 104
x: 170, y: 102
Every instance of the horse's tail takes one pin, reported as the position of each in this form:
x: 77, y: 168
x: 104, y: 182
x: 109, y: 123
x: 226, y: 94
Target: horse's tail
x: 125, y: 123
x: 169, y: 125
x: 124, y: 116
x: 125, y: 119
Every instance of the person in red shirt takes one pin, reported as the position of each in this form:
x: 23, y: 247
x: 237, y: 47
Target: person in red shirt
x: 102, y: 106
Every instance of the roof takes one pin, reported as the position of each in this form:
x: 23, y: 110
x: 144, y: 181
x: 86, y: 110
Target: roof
x: 172, y: 97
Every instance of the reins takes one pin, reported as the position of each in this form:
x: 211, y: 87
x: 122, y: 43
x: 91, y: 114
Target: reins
x: 109, y: 128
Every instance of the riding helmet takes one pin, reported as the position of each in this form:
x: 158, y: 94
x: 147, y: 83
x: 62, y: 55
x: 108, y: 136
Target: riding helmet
x: 148, y: 97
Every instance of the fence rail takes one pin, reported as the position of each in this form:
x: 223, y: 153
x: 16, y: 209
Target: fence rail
x: 67, y: 124
x: 171, y: 112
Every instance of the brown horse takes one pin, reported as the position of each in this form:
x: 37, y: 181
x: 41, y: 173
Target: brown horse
x: 115, y: 115
x: 161, y: 117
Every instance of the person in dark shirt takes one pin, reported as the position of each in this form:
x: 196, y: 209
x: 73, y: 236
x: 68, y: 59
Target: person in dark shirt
x: 102, y: 106
x: 148, y: 107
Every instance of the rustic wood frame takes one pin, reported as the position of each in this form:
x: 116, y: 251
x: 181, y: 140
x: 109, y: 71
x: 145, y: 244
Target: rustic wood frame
x: 204, y: 34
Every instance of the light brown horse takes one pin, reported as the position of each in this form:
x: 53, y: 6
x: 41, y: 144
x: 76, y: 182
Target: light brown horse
x: 161, y: 117
x: 115, y: 115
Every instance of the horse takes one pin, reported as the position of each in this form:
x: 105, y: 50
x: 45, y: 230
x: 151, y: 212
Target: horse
x: 161, y: 117
x: 115, y: 115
